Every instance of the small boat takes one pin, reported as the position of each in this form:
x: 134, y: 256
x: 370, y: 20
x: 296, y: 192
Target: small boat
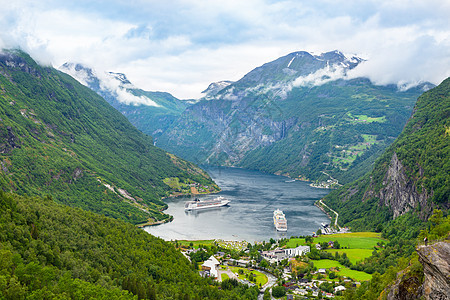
x: 203, y: 204
x: 279, y: 220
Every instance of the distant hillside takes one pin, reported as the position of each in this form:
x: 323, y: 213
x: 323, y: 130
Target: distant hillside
x: 150, y: 112
x: 412, y: 175
x: 51, y: 251
x: 58, y: 137
x: 299, y: 115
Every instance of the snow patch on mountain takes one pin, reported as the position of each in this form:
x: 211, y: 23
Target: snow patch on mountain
x: 291, y: 61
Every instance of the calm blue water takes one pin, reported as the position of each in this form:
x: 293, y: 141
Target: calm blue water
x: 254, y: 196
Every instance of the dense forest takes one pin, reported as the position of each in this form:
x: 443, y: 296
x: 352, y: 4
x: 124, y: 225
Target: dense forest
x: 50, y: 251
x: 412, y: 175
x: 59, y: 137
x: 410, y: 181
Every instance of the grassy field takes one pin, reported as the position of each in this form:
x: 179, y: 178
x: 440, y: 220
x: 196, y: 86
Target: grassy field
x: 369, y: 138
x: 343, y: 271
x: 326, y: 264
x: 224, y: 276
x: 195, y: 243
x: 295, y: 242
x: 360, y: 246
x: 353, y: 254
x: 260, y: 277
x: 365, y: 119
x: 354, y: 240
x: 356, y: 275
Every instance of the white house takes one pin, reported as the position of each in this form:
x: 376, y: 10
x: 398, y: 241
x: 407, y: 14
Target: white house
x: 339, y: 288
x: 211, y: 265
x: 300, y: 250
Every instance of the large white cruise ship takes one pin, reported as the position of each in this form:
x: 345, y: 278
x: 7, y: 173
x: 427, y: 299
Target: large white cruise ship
x: 279, y: 220
x: 202, y: 204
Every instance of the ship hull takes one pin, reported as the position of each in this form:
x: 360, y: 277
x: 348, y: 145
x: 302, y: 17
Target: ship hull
x: 279, y: 220
x: 199, y: 205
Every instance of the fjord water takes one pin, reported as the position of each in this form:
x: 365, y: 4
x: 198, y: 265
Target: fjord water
x: 254, y: 196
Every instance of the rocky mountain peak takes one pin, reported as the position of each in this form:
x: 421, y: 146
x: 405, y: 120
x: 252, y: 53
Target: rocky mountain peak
x: 215, y: 88
x: 83, y: 74
x: 122, y: 78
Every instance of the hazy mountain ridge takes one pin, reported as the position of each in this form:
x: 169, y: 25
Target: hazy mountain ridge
x: 299, y: 115
x: 60, y: 138
x: 151, y: 112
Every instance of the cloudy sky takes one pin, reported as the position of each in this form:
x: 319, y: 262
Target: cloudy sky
x: 181, y: 46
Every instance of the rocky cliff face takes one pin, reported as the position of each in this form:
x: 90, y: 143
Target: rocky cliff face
x: 412, y: 175
x: 435, y: 259
x: 433, y: 284
x: 400, y: 193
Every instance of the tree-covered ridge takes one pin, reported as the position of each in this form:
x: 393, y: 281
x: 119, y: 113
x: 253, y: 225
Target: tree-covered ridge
x: 58, y: 137
x: 150, y: 119
x: 50, y: 250
x: 412, y: 175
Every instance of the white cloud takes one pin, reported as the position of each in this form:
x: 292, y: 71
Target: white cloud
x: 110, y: 83
x: 181, y: 46
x: 321, y: 76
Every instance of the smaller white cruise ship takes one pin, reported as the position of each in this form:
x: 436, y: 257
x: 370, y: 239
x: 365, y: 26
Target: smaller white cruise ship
x: 279, y: 220
x: 202, y: 204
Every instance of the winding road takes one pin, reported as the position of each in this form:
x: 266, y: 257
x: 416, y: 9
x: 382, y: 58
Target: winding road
x: 271, y: 282
x: 337, y: 215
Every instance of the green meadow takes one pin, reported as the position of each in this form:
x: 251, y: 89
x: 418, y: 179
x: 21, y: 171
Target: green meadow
x: 353, y: 254
x: 260, y: 277
x: 358, y: 246
x: 343, y: 271
x: 195, y: 243
x: 354, y: 240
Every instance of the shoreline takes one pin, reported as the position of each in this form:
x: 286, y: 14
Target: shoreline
x: 171, y: 218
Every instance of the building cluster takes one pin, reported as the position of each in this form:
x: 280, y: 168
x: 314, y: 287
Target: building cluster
x: 210, y: 268
x: 278, y: 254
x: 329, y: 230
x: 305, y: 286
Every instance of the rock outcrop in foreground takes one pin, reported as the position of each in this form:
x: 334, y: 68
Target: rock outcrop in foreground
x: 433, y: 284
x: 435, y: 259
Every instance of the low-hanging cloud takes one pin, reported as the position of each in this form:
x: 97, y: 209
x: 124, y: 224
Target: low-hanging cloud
x: 321, y: 76
x: 108, y: 82
x: 183, y: 45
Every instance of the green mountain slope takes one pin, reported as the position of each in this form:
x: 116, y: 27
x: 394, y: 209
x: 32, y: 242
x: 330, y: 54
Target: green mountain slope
x: 151, y: 112
x: 52, y: 251
x: 412, y: 175
x: 299, y: 116
x: 60, y: 138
